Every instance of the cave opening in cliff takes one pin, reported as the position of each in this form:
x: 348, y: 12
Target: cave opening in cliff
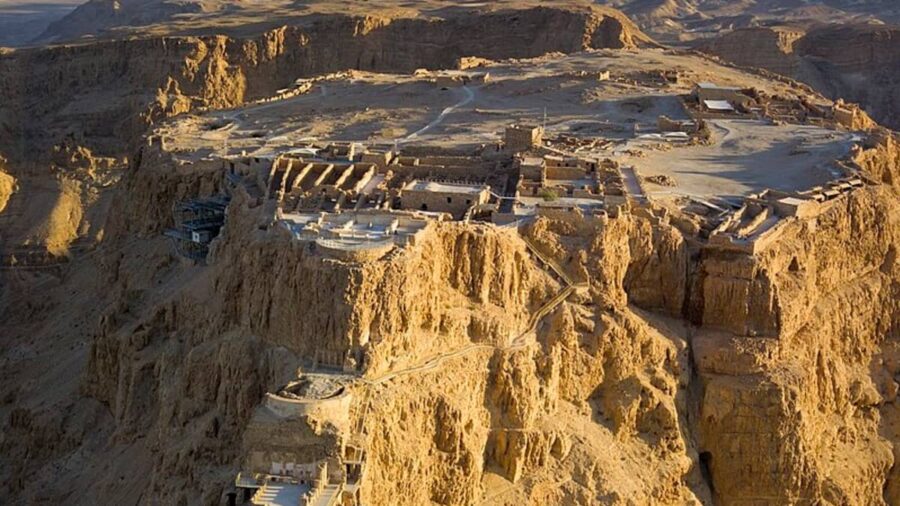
x: 706, y: 469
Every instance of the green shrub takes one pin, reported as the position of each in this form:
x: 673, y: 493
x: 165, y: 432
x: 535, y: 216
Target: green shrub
x: 548, y: 194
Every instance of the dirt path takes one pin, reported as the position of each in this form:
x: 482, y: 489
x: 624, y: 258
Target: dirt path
x: 469, y: 97
x: 519, y: 341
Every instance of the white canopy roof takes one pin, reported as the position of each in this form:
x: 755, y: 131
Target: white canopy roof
x: 718, y: 105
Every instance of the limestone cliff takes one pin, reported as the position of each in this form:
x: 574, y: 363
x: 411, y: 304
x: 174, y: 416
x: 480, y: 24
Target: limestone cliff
x: 797, y: 390
x: 855, y: 62
x: 767, y: 48
x: 460, y: 286
x: 803, y: 398
x: 687, y: 393
x: 600, y: 376
x: 104, y: 94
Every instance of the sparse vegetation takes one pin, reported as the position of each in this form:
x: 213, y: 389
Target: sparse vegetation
x: 548, y: 194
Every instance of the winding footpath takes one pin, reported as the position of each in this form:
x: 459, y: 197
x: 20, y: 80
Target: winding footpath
x: 525, y: 338
x: 469, y: 97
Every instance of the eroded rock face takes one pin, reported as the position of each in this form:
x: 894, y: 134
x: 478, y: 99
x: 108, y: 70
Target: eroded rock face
x: 855, y: 62
x: 807, y: 403
x: 117, y: 97
x: 767, y: 48
x: 789, y: 364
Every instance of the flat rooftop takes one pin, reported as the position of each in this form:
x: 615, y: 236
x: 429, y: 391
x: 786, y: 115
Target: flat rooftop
x: 713, y: 86
x: 441, y: 187
x: 718, y: 105
x: 352, y: 228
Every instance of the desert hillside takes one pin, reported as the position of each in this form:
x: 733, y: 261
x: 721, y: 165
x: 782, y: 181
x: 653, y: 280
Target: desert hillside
x: 329, y: 253
x: 857, y: 62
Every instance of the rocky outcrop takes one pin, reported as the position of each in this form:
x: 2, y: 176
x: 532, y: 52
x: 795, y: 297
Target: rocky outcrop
x: 105, y: 94
x: 181, y: 366
x: 797, y: 394
x: 428, y: 431
x: 395, y: 311
x: 598, y: 373
x: 881, y: 159
x: 186, y: 372
x: 790, y: 363
x: 855, y: 62
x: 802, y: 400
x: 767, y: 48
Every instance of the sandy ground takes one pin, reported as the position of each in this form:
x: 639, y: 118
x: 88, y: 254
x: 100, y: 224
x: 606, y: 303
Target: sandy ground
x: 384, y: 108
x: 746, y: 156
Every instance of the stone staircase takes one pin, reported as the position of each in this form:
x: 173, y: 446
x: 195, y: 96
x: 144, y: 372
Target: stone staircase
x: 328, y: 496
x: 277, y: 494
x: 557, y: 272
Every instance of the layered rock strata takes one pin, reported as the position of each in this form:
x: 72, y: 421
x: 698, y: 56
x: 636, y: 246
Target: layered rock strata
x: 855, y: 62
x: 105, y: 94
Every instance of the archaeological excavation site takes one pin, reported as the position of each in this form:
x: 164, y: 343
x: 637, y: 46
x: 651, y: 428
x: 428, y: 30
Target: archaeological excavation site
x: 347, y: 253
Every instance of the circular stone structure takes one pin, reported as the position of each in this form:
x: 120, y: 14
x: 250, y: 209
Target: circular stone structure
x: 313, y: 388
x: 324, y: 397
x: 355, y: 251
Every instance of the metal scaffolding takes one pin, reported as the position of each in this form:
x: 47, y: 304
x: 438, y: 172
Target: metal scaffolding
x: 197, y: 223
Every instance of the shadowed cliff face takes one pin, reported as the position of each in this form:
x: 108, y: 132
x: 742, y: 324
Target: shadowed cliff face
x: 858, y: 63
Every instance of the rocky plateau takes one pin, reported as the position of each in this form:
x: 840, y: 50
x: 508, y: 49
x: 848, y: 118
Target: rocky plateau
x: 672, y: 371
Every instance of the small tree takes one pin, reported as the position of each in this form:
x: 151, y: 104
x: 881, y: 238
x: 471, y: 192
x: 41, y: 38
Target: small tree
x: 548, y: 194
